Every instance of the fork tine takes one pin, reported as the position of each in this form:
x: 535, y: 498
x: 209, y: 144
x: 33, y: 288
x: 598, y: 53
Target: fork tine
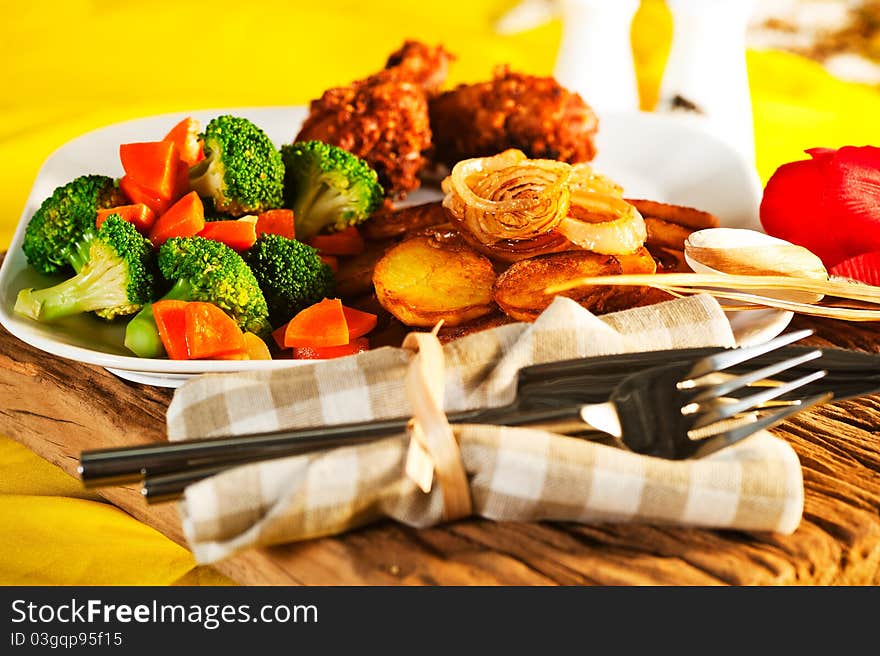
x: 722, y: 389
x: 729, y: 358
x: 734, y: 435
x: 730, y: 409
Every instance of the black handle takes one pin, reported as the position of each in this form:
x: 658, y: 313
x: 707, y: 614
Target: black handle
x: 129, y: 464
x: 540, y: 388
x: 163, y: 487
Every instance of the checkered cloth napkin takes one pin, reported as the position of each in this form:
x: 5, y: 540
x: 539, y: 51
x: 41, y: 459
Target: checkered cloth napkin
x: 518, y: 474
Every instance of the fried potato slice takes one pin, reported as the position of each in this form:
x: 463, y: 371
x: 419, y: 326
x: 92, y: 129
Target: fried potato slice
x: 669, y: 260
x: 391, y: 223
x: 623, y: 298
x: 682, y: 215
x: 519, y: 291
x: 421, y: 281
x: 639, y: 262
x: 666, y: 234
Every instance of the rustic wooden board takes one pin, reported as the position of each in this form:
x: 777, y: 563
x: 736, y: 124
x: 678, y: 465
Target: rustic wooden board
x: 58, y: 408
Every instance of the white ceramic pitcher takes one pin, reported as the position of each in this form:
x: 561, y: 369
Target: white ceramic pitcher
x: 706, y: 71
x: 705, y: 80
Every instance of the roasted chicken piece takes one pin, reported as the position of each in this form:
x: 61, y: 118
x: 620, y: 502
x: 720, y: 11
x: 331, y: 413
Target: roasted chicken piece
x: 513, y: 110
x: 384, y: 118
x: 383, y: 121
x: 420, y: 64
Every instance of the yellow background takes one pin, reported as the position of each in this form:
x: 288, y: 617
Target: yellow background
x: 69, y: 67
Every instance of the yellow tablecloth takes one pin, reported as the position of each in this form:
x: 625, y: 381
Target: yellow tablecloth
x: 73, y: 66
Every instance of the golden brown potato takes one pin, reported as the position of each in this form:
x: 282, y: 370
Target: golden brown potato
x: 519, y: 291
x: 666, y: 234
x: 391, y: 223
x: 639, y: 262
x: 669, y: 260
x: 623, y: 298
x: 688, y: 217
x: 355, y: 275
x: 421, y: 281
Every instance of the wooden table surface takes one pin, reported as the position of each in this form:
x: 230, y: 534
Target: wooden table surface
x: 58, y: 407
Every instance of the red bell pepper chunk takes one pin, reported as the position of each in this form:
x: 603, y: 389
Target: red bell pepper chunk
x: 238, y: 235
x: 185, y: 218
x: 186, y: 136
x: 321, y: 324
x: 276, y: 222
x: 137, y: 193
x: 152, y: 164
x: 138, y: 214
x: 326, y: 352
x: 171, y: 322
x: 344, y: 242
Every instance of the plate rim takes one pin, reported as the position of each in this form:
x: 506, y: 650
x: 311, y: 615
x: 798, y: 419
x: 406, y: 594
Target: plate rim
x: 152, y: 366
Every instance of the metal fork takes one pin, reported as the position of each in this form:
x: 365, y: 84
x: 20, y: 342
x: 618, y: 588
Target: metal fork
x: 688, y: 410
x: 672, y: 411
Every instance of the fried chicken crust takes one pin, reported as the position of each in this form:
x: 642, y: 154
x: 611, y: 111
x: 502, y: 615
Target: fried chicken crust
x: 384, y: 117
x: 513, y: 110
x: 385, y: 122
x: 420, y: 64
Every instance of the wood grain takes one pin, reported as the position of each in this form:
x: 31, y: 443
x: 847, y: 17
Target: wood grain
x: 59, y: 407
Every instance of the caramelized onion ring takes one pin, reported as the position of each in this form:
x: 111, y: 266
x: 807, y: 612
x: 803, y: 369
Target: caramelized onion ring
x: 604, y: 224
x: 584, y: 179
x: 508, y: 197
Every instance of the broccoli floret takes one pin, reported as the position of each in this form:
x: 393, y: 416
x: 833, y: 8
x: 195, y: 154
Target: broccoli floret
x: 57, y: 236
x: 201, y: 270
x: 291, y: 275
x: 242, y: 172
x: 117, y: 278
x: 327, y: 187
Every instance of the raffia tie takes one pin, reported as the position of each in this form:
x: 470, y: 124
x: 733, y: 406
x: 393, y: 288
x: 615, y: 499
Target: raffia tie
x: 433, y: 449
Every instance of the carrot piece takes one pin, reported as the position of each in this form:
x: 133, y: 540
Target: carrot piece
x: 238, y: 235
x: 138, y: 214
x: 170, y: 319
x: 256, y: 347
x: 276, y: 222
x: 186, y: 135
x: 211, y: 332
x: 321, y: 324
x: 326, y: 352
x: 183, y: 219
x: 152, y: 164
x: 344, y: 242
x: 359, y: 322
x: 278, y: 336
x: 181, y: 181
x: 137, y: 193
x: 331, y: 261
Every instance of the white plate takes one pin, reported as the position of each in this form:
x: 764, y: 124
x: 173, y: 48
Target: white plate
x: 652, y: 156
